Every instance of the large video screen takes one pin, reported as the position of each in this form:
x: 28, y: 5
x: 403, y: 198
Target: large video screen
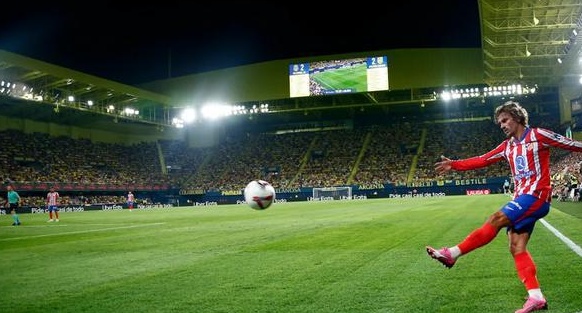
x: 338, y: 76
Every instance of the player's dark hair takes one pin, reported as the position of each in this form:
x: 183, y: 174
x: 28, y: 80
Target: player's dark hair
x: 518, y: 112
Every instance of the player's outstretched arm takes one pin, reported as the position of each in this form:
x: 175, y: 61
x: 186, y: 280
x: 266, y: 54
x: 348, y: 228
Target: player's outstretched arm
x: 444, y: 165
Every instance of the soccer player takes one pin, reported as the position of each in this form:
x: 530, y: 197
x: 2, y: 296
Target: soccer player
x: 506, y: 187
x: 130, y: 200
x: 52, y: 201
x: 527, y: 150
x: 13, y: 203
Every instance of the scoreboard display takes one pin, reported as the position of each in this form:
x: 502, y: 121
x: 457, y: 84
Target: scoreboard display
x: 338, y: 76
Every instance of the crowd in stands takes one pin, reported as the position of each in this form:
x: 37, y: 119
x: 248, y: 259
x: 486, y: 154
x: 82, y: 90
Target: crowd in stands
x: 399, y: 153
x: 388, y: 156
x: 38, y: 157
x: 458, y: 140
x: 243, y: 157
x: 567, y: 176
x: 181, y: 161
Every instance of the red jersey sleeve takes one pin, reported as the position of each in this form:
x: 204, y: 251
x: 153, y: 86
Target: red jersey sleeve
x: 553, y: 139
x: 484, y: 160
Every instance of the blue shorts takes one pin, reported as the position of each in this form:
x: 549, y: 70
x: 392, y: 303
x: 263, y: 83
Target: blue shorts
x: 524, y: 211
x: 53, y: 208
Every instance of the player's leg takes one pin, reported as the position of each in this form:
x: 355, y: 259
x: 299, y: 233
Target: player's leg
x: 514, y: 213
x: 526, y: 271
x: 14, y: 213
x: 519, y: 235
x: 56, y: 213
x: 50, y: 209
x: 476, y: 239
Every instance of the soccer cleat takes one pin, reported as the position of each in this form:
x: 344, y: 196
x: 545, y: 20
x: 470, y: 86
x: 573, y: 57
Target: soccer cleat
x: 533, y: 304
x: 442, y: 255
x: 50, y: 220
x: 57, y: 220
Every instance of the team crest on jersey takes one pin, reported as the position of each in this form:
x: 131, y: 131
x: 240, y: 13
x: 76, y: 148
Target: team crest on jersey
x: 521, y: 168
x: 520, y: 163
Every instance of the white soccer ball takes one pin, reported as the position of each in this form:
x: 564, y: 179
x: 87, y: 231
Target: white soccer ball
x: 259, y: 194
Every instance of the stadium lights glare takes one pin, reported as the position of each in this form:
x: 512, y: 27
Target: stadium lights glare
x: 188, y: 115
x: 492, y: 91
x: 239, y: 110
x: 130, y: 112
x: 178, y: 123
x: 264, y: 108
x: 215, y: 111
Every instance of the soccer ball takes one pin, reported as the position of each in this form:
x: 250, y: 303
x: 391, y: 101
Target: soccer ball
x: 259, y: 194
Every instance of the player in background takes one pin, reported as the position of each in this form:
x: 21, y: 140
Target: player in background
x: 13, y: 204
x: 130, y: 200
x: 527, y: 150
x: 506, y: 187
x: 52, y: 202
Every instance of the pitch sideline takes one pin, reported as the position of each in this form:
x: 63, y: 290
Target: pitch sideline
x: 81, y: 231
x: 569, y: 243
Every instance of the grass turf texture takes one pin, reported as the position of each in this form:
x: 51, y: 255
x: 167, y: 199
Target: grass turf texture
x: 337, y: 256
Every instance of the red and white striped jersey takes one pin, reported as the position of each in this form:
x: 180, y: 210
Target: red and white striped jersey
x: 528, y: 158
x: 52, y: 198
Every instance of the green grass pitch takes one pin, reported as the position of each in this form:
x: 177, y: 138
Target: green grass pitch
x: 354, y: 77
x: 336, y: 256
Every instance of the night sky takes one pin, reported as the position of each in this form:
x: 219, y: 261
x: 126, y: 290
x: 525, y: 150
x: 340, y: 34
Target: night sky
x: 137, y: 44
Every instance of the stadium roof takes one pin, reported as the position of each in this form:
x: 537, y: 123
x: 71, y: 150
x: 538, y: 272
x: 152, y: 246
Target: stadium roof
x: 51, y: 84
x: 533, y: 42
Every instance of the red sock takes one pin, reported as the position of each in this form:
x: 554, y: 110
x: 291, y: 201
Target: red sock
x: 478, y: 238
x: 526, y: 270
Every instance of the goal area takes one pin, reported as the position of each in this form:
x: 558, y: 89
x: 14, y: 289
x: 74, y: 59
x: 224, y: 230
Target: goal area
x: 332, y: 193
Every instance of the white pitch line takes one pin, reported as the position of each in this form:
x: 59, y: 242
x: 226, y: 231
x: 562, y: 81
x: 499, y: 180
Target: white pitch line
x: 81, y: 231
x: 571, y: 244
